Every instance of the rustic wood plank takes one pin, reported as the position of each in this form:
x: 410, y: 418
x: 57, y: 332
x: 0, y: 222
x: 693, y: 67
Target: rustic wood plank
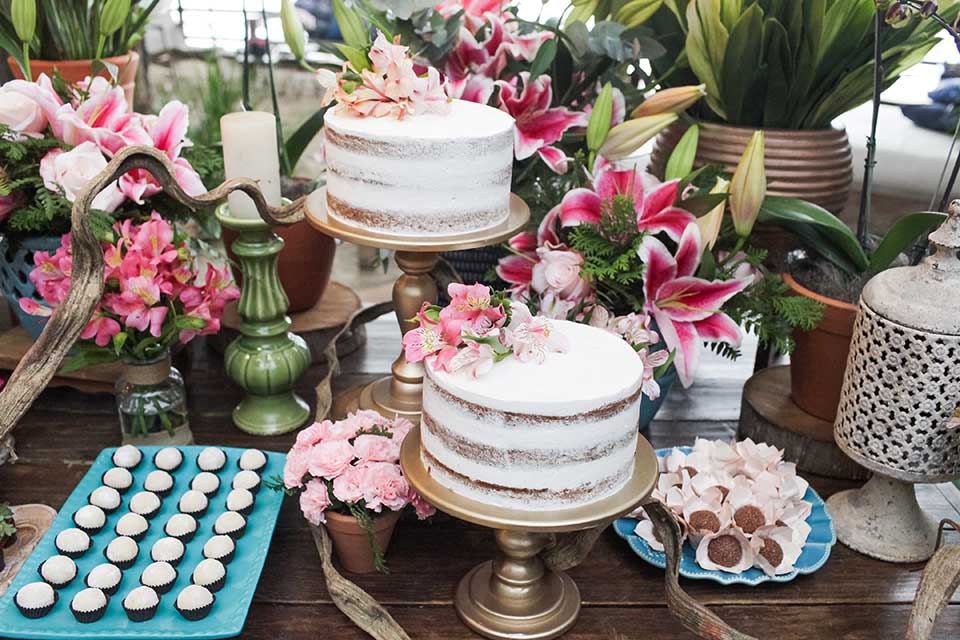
x: 270, y: 622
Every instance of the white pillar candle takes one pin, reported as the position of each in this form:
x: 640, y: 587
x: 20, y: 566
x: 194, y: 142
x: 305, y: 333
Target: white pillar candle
x: 250, y: 151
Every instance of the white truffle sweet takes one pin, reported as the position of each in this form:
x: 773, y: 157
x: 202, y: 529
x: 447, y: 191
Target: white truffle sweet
x: 218, y: 547
x: 239, y: 499
x: 158, y: 574
x: 122, y: 549
x: 211, y: 459
x: 253, y: 460
x: 246, y: 479
x: 89, y: 599
x: 180, y: 524
x: 205, y: 482
x: 194, y: 596
x: 107, y: 498
x: 141, y: 598
x: 208, y: 571
x: 168, y: 458
x: 89, y: 517
x: 104, y: 576
x: 229, y: 522
x: 35, y: 595
x: 127, y: 456
x: 167, y: 550
x: 131, y: 524
x: 145, y: 503
x: 72, y: 540
x: 158, y: 481
x: 193, y: 501
x: 118, y: 478
x: 58, y: 570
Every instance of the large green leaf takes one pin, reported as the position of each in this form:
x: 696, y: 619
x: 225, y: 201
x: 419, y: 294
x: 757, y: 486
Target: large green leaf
x: 779, y: 74
x: 706, y: 44
x: 901, y: 235
x: 544, y: 58
x: 741, y: 61
x: 297, y: 141
x: 837, y: 237
x: 680, y: 163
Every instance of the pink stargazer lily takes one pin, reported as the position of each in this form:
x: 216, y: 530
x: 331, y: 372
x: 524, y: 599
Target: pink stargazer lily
x: 686, y: 308
x: 538, y: 125
x: 103, y: 118
x: 654, y: 207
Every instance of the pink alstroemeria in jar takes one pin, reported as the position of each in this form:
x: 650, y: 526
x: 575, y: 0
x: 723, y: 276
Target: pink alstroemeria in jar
x: 653, y: 206
x: 686, y: 308
x: 538, y: 125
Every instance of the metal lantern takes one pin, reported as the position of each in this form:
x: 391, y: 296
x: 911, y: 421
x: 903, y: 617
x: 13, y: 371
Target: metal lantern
x: 900, y: 395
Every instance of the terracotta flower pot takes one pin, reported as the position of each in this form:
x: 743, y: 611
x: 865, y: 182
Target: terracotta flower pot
x: 819, y: 360
x: 350, y: 541
x: 74, y: 71
x: 304, y: 264
x: 814, y: 165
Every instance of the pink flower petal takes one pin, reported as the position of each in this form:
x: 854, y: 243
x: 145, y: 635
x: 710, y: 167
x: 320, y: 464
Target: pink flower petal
x: 611, y: 182
x: 689, y: 299
x: 719, y: 328
x: 672, y: 221
x: 547, y: 231
x: 660, y: 267
x: 555, y: 159
x: 659, y: 198
x: 578, y: 206
x: 516, y: 270
x: 523, y: 242
x: 682, y: 338
x: 689, y: 251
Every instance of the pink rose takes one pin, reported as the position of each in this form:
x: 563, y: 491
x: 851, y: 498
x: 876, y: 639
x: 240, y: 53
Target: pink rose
x: 68, y: 172
x: 383, y: 485
x: 295, y: 468
x: 329, y: 459
x: 559, y: 272
x: 371, y: 448
x: 39, y: 93
x: 346, y: 486
x: 314, y: 502
x: 22, y: 114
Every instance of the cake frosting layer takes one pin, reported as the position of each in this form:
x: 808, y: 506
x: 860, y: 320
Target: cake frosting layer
x: 428, y: 174
x: 537, y: 436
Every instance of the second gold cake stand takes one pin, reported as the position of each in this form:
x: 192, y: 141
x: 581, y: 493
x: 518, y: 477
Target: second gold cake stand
x: 400, y: 393
x: 514, y: 596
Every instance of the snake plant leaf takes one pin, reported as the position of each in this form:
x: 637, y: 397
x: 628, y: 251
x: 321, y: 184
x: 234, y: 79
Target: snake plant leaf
x: 681, y: 159
x: 901, y: 235
x: 636, y: 12
x: 706, y: 44
x: 730, y: 11
x: 776, y: 107
x: 837, y: 238
x: 741, y: 60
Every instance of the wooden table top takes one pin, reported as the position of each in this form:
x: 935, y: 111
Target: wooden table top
x: 850, y: 597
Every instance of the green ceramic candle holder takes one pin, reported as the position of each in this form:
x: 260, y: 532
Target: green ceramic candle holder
x: 266, y: 359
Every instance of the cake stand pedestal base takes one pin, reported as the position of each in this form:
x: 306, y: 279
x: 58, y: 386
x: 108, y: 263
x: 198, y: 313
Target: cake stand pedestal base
x: 883, y: 520
x: 514, y: 596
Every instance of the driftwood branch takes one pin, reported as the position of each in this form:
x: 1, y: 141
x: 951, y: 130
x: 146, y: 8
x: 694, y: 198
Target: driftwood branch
x: 40, y: 363
x: 940, y: 580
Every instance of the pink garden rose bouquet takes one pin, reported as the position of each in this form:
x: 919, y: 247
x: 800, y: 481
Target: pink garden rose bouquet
x: 351, y: 467
x: 54, y: 138
x: 154, y: 294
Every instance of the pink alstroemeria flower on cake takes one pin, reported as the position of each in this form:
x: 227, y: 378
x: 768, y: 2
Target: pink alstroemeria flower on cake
x: 471, y: 305
x: 654, y: 206
x: 686, y: 308
x: 538, y: 125
x: 433, y: 336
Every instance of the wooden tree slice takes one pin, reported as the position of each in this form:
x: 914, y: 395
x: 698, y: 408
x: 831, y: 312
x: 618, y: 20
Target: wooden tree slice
x: 767, y: 414
x: 32, y: 520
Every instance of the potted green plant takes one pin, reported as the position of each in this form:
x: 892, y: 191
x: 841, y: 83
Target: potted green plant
x: 75, y: 39
x: 8, y: 529
x: 787, y: 66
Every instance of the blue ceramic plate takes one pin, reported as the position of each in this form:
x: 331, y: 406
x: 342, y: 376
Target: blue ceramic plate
x: 229, y: 611
x: 815, y: 552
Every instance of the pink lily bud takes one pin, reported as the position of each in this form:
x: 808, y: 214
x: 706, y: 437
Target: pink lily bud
x: 627, y: 137
x: 748, y: 187
x: 673, y: 100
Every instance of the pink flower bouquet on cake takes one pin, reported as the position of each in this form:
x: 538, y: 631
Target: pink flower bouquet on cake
x: 352, y: 468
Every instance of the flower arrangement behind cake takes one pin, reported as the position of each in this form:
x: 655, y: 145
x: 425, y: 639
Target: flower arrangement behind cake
x: 156, y: 295
x: 347, y: 475
x: 739, y: 506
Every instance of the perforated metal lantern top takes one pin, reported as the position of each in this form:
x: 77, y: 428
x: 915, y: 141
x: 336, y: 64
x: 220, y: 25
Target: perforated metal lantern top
x: 902, y: 384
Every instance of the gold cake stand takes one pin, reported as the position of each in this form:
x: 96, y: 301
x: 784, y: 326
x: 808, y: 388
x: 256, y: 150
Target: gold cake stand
x: 400, y: 393
x: 514, y: 596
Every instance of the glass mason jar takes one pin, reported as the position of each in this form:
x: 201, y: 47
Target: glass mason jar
x: 152, y: 403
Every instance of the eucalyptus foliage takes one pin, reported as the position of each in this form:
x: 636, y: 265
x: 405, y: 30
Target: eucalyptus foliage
x: 791, y: 64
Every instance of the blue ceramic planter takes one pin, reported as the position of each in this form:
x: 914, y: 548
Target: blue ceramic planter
x: 648, y: 407
x: 16, y: 263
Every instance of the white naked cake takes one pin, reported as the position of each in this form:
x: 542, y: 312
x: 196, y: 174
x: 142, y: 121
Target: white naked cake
x: 537, y: 436
x: 427, y: 174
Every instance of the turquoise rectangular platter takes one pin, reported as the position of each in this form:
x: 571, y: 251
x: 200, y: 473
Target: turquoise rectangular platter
x: 229, y: 612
